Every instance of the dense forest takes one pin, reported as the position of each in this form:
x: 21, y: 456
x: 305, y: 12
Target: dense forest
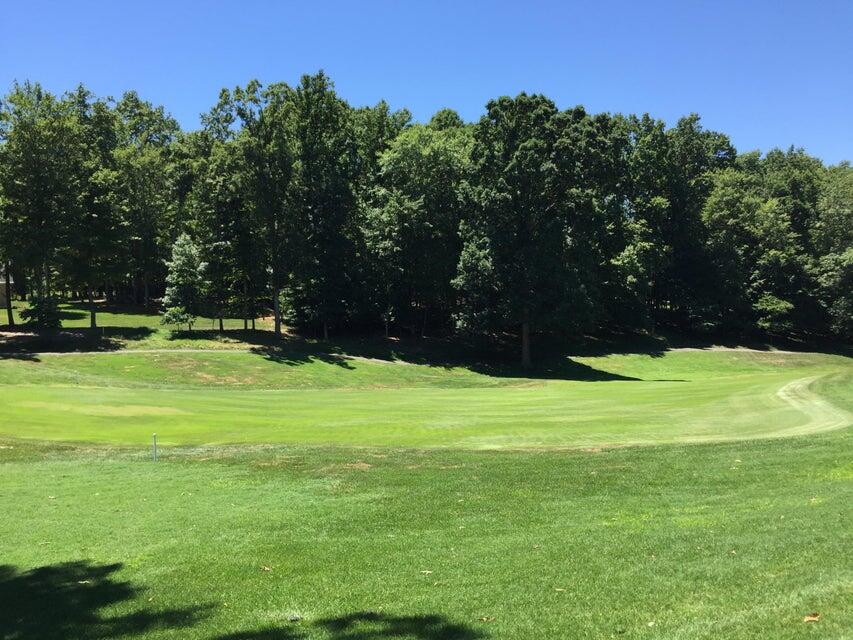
x: 289, y: 202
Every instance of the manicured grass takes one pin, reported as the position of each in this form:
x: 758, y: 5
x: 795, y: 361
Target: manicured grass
x: 373, y: 489
x: 737, y: 540
x: 304, y: 398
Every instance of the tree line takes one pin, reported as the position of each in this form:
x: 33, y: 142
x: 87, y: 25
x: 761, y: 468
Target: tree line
x: 289, y: 202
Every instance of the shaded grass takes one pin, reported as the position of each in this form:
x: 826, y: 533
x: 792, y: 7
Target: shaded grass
x: 133, y: 327
x: 127, y: 327
x: 74, y: 594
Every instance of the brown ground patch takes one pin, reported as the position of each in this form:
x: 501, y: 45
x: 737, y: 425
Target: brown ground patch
x: 360, y: 465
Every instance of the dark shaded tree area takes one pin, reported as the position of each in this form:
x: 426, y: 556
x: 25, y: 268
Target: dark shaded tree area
x: 290, y: 202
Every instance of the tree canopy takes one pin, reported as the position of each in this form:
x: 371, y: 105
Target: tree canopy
x: 289, y: 201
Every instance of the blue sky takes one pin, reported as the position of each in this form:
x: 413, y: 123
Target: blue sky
x: 768, y: 73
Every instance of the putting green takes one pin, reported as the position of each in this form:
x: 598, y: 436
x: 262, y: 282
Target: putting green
x: 241, y: 397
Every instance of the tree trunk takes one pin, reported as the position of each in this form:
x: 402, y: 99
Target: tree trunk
x: 9, y: 313
x: 47, y: 284
x: 325, y: 331
x: 277, y: 313
x: 386, y: 327
x: 253, y: 324
x: 221, y: 328
x: 423, y: 324
x: 93, y: 323
x: 245, y: 306
x: 525, y: 340
x: 146, y: 299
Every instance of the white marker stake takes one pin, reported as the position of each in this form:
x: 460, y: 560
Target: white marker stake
x: 155, y: 447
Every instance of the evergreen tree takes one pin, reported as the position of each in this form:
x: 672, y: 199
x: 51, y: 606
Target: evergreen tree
x: 184, y: 284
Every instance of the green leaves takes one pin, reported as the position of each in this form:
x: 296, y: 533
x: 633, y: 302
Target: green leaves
x: 533, y: 219
x: 184, y: 283
x: 412, y: 224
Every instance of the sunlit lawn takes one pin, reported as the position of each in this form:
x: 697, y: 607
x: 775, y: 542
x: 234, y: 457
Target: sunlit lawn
x: 369, y: 490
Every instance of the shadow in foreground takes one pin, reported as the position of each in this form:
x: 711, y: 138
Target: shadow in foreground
x: 67, y: 601
x: 370, y: 625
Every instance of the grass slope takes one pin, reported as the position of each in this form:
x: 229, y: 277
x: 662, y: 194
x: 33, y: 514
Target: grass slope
x: 238, y: 397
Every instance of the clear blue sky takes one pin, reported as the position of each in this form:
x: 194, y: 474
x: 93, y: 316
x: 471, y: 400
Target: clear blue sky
x: 768, y: 73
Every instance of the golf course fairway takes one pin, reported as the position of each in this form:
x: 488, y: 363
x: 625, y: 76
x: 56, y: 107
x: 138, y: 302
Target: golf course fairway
x: 197, y: 397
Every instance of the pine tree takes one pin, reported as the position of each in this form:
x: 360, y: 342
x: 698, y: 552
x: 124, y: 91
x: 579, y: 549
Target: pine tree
x: 184, y: 283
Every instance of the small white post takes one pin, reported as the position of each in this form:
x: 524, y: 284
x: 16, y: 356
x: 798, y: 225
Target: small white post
x: 155, y: 447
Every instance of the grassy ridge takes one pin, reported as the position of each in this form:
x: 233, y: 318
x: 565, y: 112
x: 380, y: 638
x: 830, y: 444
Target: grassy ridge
x: 308, y: 366
x: 400, y: 417
x: 282, y: 397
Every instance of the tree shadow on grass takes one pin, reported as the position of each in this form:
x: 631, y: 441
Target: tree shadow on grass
x: 490, y: 358
x: 19, y: 355
x: 289, y: 350
x: 102, y: 306
x: 294, y: 352
x: 26, y: 341
x: 668, y: 338
x: 554, y: 359
x: 438, y: 353
x: 67, y: 313
x: 68, y: 600
x: 270, y: 633
x: 370, y: 625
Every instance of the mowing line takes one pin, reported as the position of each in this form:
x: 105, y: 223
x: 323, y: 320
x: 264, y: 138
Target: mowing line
x: 822, y: 414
